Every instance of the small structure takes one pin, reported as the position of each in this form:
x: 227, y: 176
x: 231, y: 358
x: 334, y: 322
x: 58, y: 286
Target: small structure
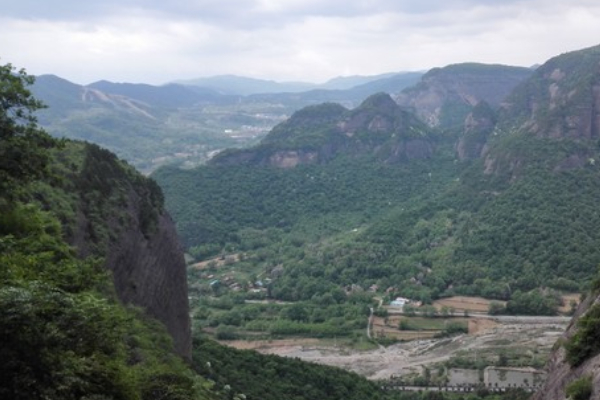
x: 463, y: 377
x: 400, y: 302
x: 506, y: 377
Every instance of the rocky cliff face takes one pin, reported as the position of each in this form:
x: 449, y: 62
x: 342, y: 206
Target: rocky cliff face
x: 445, y: 96
x: 561, y: 99
x: 552, y: 118
x: 478, y: 125
x: 150, y: 272
x: 119, y: 216
x: 560, y: 372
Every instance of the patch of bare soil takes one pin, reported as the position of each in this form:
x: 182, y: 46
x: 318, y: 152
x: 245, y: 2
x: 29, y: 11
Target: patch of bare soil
x: 462, y: 303
x: 218, y: 262
x: 567, y: 299
x: 270, y: 344
x: 480, y: 325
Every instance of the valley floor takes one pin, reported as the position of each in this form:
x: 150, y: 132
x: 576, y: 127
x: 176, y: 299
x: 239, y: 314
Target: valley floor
x: 532, y: 336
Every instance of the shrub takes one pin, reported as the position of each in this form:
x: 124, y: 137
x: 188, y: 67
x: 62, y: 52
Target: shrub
x: 585, y: 343
x: 580, y: 389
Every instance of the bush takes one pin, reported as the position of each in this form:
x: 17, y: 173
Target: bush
x: 580, y: 389
x: 585, y: 343
x: 496, y: 308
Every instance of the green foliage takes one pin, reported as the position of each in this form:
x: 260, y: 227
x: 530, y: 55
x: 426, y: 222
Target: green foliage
x: 496, y: 308
x: 63, y: 335
x: 315, y: 318
x: 23, y: 155
x: 269, y: 377
x: 501, y: 227
x: 56, y: 344
x: 580, y: 389
x: 585, y: 343
x: 534, y: 302
x: 454, y: 328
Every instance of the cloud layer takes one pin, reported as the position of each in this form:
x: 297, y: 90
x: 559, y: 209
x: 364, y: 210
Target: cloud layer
x: 310, y: 40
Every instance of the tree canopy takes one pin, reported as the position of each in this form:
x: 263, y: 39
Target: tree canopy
x: 22, y: 142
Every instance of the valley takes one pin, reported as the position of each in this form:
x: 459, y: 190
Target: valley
x: 417, y: 235
x: 530, y: 336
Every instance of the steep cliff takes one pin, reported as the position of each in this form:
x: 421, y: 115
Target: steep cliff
x: 560, y: 100
x: 445, y: 96
x: 574, y: 361
x: 550, y: 119
x: 478, y: 125
x: 110, y: 211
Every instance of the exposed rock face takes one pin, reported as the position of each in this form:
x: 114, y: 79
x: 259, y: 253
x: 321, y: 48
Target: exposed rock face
x: 560, y: 373
x: 561, y: 100
x: 557, y: 107
x: 446, y: 95
x: 151, y: 273
x: 289, y: 159
x: 477, y: 127
x: 128, y: 227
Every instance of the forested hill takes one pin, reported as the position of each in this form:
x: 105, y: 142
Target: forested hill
x: 486, y: 208
x: 318, y: 134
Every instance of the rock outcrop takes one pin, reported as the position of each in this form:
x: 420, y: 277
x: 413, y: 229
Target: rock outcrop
x: 150, y: 272
x: 445, y: 96
x: 560, y: 372
x: 119, y: 217
x: 560, y: 101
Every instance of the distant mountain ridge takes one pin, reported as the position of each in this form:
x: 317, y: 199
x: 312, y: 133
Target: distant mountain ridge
x: 151, y: 125
x: 244, y: 86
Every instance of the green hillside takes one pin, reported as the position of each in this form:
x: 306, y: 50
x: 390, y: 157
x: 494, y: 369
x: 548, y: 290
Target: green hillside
x: 63, y: 334
x: 518, y: 218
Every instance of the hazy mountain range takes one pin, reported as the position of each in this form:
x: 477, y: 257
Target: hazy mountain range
x: 154, y: 125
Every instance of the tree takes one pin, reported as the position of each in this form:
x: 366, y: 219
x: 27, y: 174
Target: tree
x: 23, y: 144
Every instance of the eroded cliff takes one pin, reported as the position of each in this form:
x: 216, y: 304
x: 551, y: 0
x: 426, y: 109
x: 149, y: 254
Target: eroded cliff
x: 111, y: 211
x: 568, y: 366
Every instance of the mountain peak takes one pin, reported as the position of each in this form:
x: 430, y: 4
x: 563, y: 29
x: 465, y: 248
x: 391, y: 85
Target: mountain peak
x: 380, y: 101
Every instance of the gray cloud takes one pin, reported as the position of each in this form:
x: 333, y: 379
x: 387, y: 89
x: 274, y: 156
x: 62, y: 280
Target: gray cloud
x: 157, y: 41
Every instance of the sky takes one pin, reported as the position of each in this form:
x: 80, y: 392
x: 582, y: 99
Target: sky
x: 160, y: 41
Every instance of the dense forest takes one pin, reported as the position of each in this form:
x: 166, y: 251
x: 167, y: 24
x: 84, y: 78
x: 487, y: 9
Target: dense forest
x: 440, y: 222
x: 487, y: 205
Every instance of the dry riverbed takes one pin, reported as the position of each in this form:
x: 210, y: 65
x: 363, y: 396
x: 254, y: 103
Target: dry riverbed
x: 536, y: 334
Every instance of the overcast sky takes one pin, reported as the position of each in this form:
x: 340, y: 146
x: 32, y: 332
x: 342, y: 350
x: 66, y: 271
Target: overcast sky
x: 157, y: 41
